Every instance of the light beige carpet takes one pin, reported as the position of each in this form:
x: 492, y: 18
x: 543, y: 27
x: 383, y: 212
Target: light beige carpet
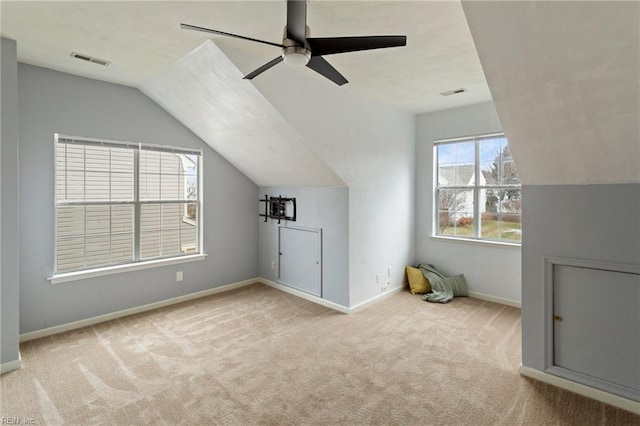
x: 260, y: 356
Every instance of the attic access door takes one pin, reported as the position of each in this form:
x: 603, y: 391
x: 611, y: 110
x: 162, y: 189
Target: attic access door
x: 300, y: 251
x: 595, y: 328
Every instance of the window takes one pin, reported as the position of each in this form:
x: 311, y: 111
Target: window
x: 119, y: 203
x: 478, y: 192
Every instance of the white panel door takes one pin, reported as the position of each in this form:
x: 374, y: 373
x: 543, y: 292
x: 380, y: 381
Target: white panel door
x: 596, y: 328
x: 301, y: 259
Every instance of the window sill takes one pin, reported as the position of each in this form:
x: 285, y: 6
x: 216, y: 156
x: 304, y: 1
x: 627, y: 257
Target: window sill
x: 485, y: 243
x: 109, y: 270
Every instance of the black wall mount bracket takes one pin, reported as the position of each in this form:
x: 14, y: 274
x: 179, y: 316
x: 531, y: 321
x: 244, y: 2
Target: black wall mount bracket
x: 276, y: 208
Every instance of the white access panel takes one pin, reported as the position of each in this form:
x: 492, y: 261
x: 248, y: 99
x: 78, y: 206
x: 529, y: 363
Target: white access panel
x: 300, y: 252
x: 596, y: 328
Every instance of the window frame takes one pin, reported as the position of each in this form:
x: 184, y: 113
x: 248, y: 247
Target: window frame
x: 137, y: 202
x: 475, y: 189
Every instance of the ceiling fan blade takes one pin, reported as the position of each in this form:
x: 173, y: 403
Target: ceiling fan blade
x: 324, y: 68
x: 297, y: 20
x: 208, y: 30
x: 333, y: 45
x: 263, y: 68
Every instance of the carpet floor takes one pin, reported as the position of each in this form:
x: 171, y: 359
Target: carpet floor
x: 256, y: 355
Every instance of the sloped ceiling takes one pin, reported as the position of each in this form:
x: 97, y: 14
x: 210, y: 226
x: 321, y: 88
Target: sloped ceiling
x: 565, y: 79
x: 143, y: 38
x: 198, y: 85
x: 205, y: 91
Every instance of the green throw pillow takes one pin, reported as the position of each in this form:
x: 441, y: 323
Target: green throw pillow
x: 458, y: 285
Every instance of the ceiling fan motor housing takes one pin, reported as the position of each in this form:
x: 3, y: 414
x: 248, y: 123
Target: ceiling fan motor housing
x: 294, y: 53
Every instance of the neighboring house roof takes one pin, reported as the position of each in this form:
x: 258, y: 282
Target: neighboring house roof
x: 458, y: 175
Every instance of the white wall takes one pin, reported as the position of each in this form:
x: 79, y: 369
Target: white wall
x: 491, y: 269
x: 9, y: 216
x: 371, y: 147
x: 53, y: 102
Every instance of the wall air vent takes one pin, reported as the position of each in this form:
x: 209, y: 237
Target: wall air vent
x: 453, y: 92
x: 88, y: 58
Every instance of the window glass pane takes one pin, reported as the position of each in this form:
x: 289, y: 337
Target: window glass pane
x: 75, y: 157
x: 122, y: 160
x: 98, y: 220
x: 455, y: 212
x: 189, y: 176
x: 149, y: 162
x: 189, y: 229
x: 456, y: 164
x: 149, y: 186
x: 169, y: 163
x: 97, y: 250
x: 70, y: 254
x: 69, y: 221
x: 170, y: 187
x: 150, y: 217
x: 166, y: 231
x: 122, y: 219
x: 122, y: 233
x: 121, y: 248
x: 168, y: 176
x: 97, y: 186
x: 511, y: 227
x: 501, y: 213
x: 122, y: 185
x: 496, y: 163
x: 97, y: 158
x: 75, y: 185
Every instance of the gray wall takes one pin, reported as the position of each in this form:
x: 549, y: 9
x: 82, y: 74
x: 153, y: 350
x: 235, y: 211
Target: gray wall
x: 491, y: 270
x: 317, y: 207
x: 53, y: 102
x: 9, y: 213
x: 588, y: 222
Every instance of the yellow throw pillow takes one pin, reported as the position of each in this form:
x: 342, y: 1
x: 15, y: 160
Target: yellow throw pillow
x: 418, y: 283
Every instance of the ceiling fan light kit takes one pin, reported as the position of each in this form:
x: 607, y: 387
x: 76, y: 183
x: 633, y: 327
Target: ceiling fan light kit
x: 296, y: 56
x: 298, y: 49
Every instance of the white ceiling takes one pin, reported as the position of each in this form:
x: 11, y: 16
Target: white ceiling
x: 143, y: 39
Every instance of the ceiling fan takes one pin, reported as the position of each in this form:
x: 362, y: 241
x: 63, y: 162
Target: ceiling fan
x: 298, y: 49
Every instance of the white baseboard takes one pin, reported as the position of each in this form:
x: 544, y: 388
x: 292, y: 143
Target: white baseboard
x: 326, y: 303
x: 375, y: 299
x: 306, y: 296
x: 494, y: 299
x: 136, y: 310
x: 11, y: 365
x: 589, y: 392
x: 156, y: 305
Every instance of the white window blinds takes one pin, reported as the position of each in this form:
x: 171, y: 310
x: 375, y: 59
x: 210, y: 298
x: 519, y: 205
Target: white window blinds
x: 120, y: 203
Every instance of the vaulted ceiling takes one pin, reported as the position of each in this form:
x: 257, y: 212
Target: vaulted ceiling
x: 142, y: 39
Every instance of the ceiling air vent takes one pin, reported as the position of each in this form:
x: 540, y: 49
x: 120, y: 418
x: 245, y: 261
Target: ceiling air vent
x: 88, y: 58
x: 453, y: 92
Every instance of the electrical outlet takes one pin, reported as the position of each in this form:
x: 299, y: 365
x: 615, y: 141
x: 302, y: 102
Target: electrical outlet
x: 389, y: 271
x: 377, y: 278
x: 273, y: 264
x: 179, y: 276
